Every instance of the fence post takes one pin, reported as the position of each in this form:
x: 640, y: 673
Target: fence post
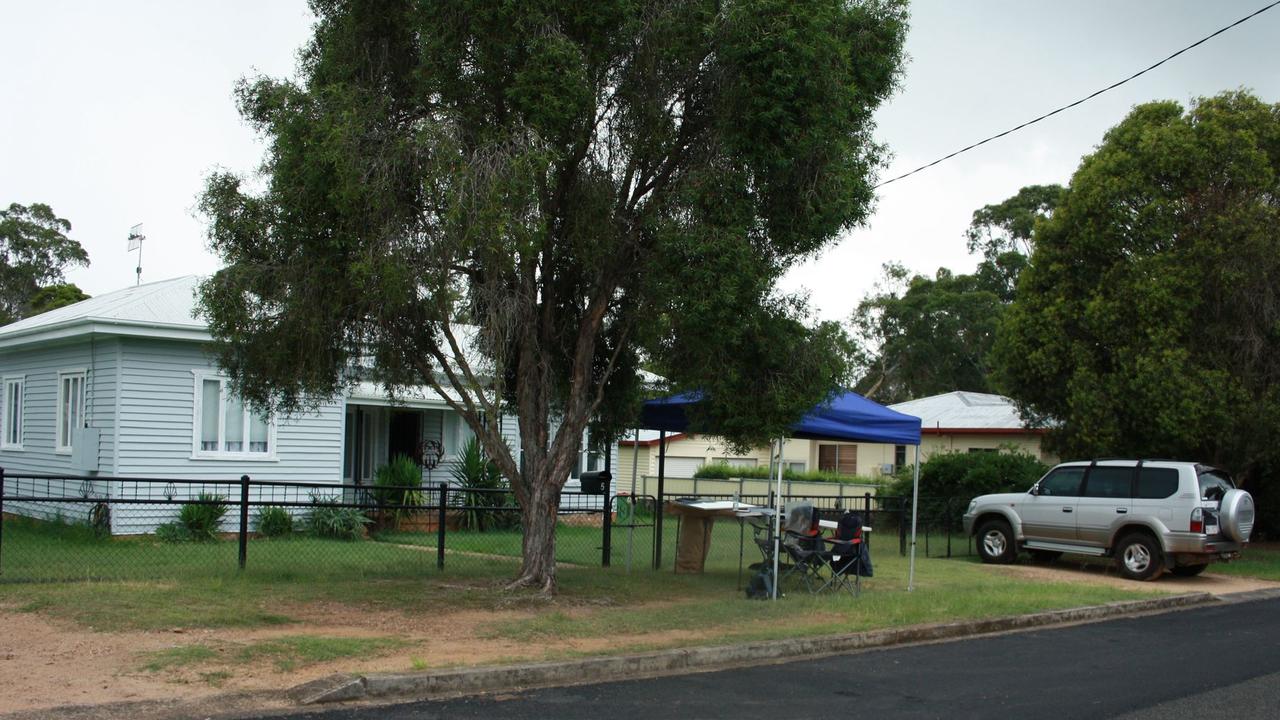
x: 244, y: 519
x: 1, y: 514
x: 866, y: 503
x: 444, y: 492
x: 607, y: 549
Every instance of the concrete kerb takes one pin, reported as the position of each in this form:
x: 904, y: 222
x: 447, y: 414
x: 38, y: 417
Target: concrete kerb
x: 471, y: 681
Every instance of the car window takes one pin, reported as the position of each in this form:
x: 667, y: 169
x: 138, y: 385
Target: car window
x: 1062, y: 482
x: 1157, y: 483
x: 1108, y: 481
x: 1214, y: 484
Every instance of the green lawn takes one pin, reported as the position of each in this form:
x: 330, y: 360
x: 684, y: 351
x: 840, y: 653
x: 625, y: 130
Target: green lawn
x: 1258, y: 561
x: 144, y: 584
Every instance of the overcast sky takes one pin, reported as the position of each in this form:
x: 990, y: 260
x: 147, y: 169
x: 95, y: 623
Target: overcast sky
x: 114, y: 112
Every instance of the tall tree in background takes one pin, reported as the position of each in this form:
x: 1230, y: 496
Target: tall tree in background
x: 917, y: 336
x: 1148, y: 322
x: 585, y: 185
x: 922, y: 336
x: 34, y: 252
x: 1002, y: 235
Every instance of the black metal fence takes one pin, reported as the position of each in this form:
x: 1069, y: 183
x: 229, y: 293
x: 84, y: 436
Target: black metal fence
x: 63, y: 527
x: 72, y: 527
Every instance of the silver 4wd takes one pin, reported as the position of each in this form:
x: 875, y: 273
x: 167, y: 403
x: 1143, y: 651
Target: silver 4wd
x: 1150, y: 515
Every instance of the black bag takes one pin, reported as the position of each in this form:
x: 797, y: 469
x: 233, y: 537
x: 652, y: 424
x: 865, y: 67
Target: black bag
x: 760, y: 586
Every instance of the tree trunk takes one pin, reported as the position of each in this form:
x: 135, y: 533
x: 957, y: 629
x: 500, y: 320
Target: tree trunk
x: 539, y: 515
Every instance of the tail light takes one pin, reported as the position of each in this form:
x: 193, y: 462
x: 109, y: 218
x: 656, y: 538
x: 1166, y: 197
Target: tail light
x: 1197, y: 521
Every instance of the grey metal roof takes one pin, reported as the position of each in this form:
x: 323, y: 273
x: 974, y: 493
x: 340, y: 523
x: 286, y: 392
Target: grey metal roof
x: 961, y: 409
x: 164, y: 304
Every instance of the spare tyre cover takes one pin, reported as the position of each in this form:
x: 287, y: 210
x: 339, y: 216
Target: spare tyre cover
x: 1235, y: 513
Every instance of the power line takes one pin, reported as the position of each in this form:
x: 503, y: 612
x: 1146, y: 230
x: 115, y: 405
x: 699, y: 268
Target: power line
x: 1091, y: 96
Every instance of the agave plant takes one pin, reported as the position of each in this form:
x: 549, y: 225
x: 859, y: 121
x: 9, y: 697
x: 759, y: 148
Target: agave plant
x: 479, y: 477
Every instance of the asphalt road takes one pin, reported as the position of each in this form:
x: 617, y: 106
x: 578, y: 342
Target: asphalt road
x: 1215, y: 662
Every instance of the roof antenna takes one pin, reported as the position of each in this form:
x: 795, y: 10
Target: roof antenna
x: 135, y: 243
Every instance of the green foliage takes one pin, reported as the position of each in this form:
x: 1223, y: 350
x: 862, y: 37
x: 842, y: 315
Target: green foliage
x: 328, y: 520
x: 274, y: 522
x: 34, y: 252
x: 917, y: 336
x: 967, y: 475
x: 173, y: 532
x: 52, y: 297
x: 476, y: 474
x: 1003, y: 235
x: 924, y: 336
x: 1146, y: 325
x: 198, y: 523
x: 399, y: 482
x: 586, y: 184
x: 725, y: 471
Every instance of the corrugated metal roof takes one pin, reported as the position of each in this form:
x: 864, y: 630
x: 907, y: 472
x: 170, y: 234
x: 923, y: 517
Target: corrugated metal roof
x: 169, y: 303
x: 961, y: 409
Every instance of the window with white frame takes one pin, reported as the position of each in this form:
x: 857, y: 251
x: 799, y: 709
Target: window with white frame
x: 225, y: 426
x: 11, y: 421
x: 70, y: 408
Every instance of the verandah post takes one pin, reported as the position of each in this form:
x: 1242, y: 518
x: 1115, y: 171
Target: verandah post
x: 444, y: 491
x: 244, y: 519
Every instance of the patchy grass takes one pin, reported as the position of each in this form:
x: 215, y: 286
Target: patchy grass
x: 944, y: 591
x: 1260, y: 560
x: 285, y: 653
x: 288, y: 653
x: 177, y: 657
x: 636, y: 609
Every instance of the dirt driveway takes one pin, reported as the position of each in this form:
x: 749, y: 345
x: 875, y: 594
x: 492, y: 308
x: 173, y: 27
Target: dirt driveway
x: 1100, y: 574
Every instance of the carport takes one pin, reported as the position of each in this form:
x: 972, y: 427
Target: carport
x: 846, y: 416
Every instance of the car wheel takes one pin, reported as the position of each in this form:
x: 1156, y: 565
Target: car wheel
x: 1188, y: 570
x: 1139, y: 557
x: 996, y: 543
x: 1045, y: 556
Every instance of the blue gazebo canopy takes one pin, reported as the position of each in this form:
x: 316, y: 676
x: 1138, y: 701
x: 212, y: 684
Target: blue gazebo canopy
x: 847, y: 416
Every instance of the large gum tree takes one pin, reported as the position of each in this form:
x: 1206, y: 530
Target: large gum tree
x: 519, y: 203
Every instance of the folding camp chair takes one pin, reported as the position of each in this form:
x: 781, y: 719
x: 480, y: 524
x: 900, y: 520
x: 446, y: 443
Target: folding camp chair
x: 848, y: 556
x: 802, y: 543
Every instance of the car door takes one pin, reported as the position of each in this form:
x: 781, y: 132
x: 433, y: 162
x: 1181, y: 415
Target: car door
x: 1104, y: 502
x: 1048, y: 513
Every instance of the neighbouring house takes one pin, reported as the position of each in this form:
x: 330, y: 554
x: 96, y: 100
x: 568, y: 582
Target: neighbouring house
x: 951, y: 422
x: 122, y: 385
x: 960, y: 421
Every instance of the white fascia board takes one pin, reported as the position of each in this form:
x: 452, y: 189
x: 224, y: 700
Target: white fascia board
x: 92, y: 326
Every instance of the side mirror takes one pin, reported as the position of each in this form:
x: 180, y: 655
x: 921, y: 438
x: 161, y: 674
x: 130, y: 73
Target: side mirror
x: 1035, y: 489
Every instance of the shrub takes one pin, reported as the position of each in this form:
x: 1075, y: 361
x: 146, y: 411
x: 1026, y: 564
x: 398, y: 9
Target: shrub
x: 399, y: 482
x: 172, y: 532
x: 274, y: 522
x: 725, y: 471
x: 949, y: 480
x: 202, y: 521
x: 478, y: 477
x: 328, y: 520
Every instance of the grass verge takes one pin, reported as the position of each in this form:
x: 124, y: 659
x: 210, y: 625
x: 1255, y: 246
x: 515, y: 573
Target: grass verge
x: 286, y: 653
x: 598, y: 610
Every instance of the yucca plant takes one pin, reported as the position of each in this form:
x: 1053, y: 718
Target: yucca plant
x: 476, y: 474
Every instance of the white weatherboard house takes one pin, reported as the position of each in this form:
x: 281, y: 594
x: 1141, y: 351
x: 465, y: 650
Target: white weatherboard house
x: 122, y: 385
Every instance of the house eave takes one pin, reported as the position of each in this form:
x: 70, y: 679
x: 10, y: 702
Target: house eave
x: 84, y: 327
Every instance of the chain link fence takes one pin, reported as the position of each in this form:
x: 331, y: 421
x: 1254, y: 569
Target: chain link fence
x: 68, y: 527
x: 65, y: 527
